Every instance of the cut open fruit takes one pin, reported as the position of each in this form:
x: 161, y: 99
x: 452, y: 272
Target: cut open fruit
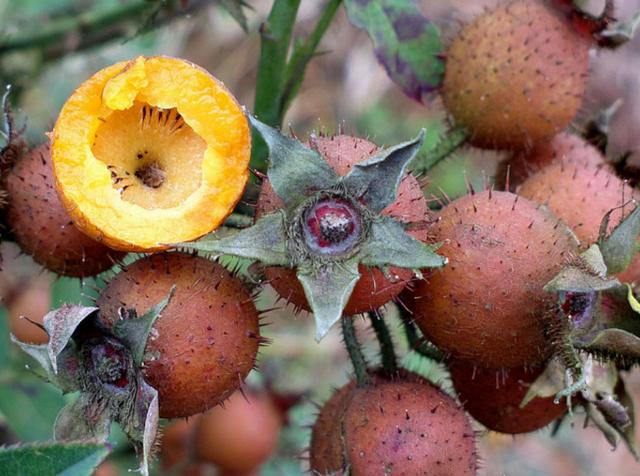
x: 150, y: 152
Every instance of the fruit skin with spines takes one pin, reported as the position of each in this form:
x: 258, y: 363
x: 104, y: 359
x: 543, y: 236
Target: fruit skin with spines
x: 400, y: 422
x: 515, y: 76
x: 493, y: 398
x: 204, y: 343
x: 373, y: 290
x: 563, y: 148
x: 581, y: 195
x: 42, y: 227
x: 488, y: 305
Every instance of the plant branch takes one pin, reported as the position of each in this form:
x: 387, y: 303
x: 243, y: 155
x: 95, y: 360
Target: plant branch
x: 354, y: 350
x: 302, y: 54
x: 275, y: 36
x: 447, y: 145
x: 76, y: 32
x: 387, y: 350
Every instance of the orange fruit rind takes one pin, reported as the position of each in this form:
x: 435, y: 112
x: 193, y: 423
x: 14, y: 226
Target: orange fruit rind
x: 149, y: 152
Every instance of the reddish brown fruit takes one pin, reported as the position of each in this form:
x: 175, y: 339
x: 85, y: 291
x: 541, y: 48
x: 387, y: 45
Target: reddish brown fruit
x: 32, y: 302
x: 374, y: 289
x: 41, y: 225
x: 516, y: 76
x: 207, y: 337
x: 493, y: 398
x: 487, y: 305
x: 241, y: 435
x: 564, y: 148
x: 581, y: 196
x: 404, y: 427
x: 177, y: 442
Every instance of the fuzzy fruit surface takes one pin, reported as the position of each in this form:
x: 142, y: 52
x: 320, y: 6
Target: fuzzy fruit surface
x: 373, y: 289
x: 487, y: 305
x: 581, y: 195
x: 516, y: 75
x: 241, y: 435
x: 493, y: 398
x: 564, y: 148
x: 403, y: 426
x: 204, y: 343
x: 41, y: 225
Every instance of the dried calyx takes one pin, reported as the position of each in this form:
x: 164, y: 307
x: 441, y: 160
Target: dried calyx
x: 104, y: 366
x: 330, y: 224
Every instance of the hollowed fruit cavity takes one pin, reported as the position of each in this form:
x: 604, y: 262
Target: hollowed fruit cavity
x: 154, y: 157
x: 150, y: 152
x: 332, y: 226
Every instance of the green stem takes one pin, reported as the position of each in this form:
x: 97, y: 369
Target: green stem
x: 387, y: 350
x: 355, y: 353
x: 303, y: 53
x: 275, y: 36
x: 416, y: 342
x: 237, y: 220
x: 93, y: 27
x: 443, y: 149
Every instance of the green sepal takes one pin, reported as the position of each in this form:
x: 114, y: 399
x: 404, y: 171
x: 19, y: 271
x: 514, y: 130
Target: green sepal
x: 265, y: 241
x: 235, y: 8
x: 141, y: 425
x: 294, y: 170
x: 83, y: 420
x: 631, y: 299
x: 620, y: 33
x: 390, y: 245
x: 613, y: 342
x: 60, y: 324
x: 40, y: 459
x: 585, y: 274
x: 328, y: 289
x: 620, y: 246
x: 549, y: 383
x: 134, y: 332
x: 376, y: 180
x: 5, y: 119
x: 66, y: 376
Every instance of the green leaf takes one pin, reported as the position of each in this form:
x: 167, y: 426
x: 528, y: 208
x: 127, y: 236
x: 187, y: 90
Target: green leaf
x: 29, y: 405
x: 52, y: 459
x: 235, y: 8
x: 295, y: 170
x: 60, y: 324
x: 265, y: 241
x: 376, y: 180
x: 134, y: 332
x: 389, y: 244
x: 328, y: 290
x: 406, y: 43
x: 80, y: 420
x: 620, y: 246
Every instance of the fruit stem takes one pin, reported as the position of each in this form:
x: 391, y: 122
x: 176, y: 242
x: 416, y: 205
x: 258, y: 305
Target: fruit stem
x: 446, y: 146
x: 354, y: 350
x: 416, y: 342
x: 387, y: 350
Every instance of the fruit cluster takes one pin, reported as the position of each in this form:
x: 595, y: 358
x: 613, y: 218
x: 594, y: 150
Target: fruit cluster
x: 516, y: 290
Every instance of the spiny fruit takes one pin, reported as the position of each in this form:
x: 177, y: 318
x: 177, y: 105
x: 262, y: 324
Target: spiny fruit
x: 203, y: 344
x: 581, y: 196
x: 150, y: 152
x: 42, y: 227
x: 564, y: 148
x: 516, y: 75
x: 332, y: 219
x: 402, y: 426
x: 177, y: 442
x: 487, y: 305
x: 494, y: 397
x: 241, y: 435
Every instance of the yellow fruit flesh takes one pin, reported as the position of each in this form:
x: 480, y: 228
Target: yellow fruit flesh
x: 197, y: 142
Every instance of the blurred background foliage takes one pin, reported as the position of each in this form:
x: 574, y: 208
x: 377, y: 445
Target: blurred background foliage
x: 344, y: 89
